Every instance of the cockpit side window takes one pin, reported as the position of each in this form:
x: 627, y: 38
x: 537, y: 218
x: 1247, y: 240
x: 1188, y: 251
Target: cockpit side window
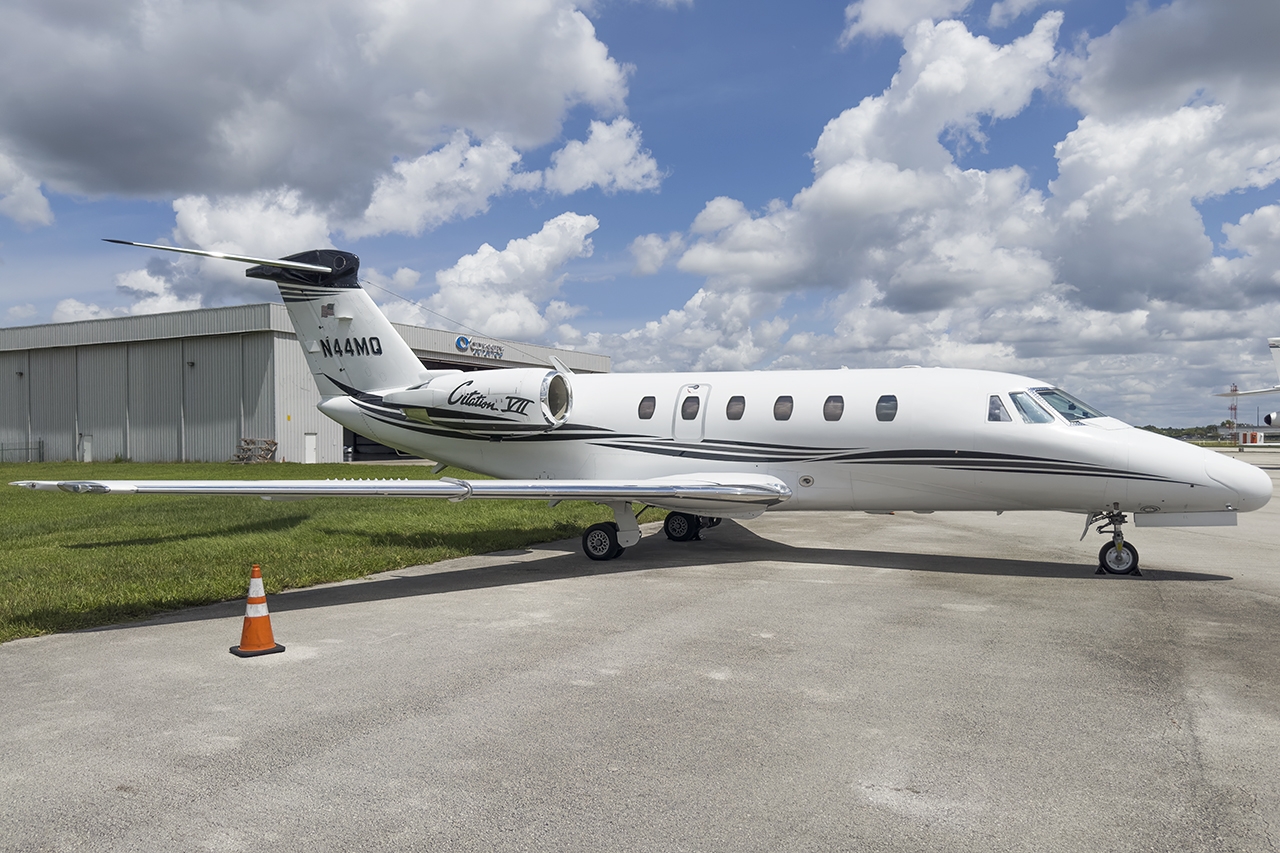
x: 1031, y: 411
x: 1066, y: 405
x: 996, y: 410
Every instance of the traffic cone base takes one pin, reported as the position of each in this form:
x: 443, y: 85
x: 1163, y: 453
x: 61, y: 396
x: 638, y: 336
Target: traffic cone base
x: 241, y: 653
x: 256, y: 637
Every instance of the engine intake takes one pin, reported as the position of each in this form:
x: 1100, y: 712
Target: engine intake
x: 499, y: 403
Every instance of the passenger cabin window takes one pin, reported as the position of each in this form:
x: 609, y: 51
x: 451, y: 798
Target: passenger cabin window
x: 782, y: 408
x: 689, y: 408
x: 647, y: 405
x: 1031, y: 411
x: 887, y: 408
x: 1066, y: 405
x: 833, y: 409
x: 737, y: 405
x: 996, y: 410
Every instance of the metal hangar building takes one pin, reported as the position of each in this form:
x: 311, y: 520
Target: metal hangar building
x: 191, y: 385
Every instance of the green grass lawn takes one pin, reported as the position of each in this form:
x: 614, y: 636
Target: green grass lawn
x: 77, y: 561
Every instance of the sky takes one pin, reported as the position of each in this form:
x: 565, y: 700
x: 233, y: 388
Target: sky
x: 1076, y: 190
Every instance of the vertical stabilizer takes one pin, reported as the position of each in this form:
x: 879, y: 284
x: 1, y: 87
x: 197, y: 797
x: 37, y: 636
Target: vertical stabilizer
x: 1274, y: 343
x: 350, y: 345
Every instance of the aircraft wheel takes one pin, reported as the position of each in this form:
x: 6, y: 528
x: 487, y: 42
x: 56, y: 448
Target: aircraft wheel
x: 705, y: 522
x: 1122, y: 562
x: 600, y: 542
x: 680, y: 526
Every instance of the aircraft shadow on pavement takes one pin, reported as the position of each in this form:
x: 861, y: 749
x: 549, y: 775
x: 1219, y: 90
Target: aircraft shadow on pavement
x: 726, y: 545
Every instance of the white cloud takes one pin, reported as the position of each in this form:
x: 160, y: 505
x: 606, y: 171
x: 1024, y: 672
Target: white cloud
x: 73, y: 310
x: 210, y: 98
x: 149, y: 294
x: 17, y: 313
x: 270, y: 223
x: 884, y: 17
x: 651, y: 251
x: 454, y: 181
x: 610, y: 159
x: 20, y: 197
x: 507, y: 293
x: 946, y: 80
x: 1005, y: 12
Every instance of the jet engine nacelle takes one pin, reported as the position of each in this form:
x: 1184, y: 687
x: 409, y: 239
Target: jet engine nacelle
x: 499, y: 403
x: 1271, y: 419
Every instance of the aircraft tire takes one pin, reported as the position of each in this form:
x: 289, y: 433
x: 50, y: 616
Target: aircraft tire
x: 1124, y: 563
x: 600, y: 541
x: 680, y: 526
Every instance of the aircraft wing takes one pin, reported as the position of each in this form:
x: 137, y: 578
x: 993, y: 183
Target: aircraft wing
x: 718, y: 494
x: 1274, y: 389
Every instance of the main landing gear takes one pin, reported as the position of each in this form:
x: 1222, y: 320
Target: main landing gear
x: 682, y: 527
x: 608, y: 539
x: 1117, y: 557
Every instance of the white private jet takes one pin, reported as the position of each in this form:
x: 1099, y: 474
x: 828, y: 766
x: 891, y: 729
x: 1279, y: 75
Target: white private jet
x: 1272, y: 419
x: 710, y: 445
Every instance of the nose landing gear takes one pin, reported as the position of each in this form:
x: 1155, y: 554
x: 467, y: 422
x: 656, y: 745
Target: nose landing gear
x: 1117, y: 557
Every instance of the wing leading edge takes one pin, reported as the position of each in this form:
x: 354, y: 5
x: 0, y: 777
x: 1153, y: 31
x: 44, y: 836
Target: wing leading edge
x: 701, y: 493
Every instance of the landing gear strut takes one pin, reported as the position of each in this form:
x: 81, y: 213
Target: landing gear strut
x: 1117, y: 557
x: 609, y: 539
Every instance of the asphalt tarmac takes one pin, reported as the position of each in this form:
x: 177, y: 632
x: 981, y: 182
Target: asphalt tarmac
x: 822, y: 682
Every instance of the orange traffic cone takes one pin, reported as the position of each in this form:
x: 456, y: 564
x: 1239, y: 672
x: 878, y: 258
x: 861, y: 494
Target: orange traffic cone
x: 256, y: 638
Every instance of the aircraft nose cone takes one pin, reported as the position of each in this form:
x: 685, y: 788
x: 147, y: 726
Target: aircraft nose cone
x: 1252, y: 484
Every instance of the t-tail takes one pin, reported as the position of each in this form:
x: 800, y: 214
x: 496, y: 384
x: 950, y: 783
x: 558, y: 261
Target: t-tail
x: 350, y: 345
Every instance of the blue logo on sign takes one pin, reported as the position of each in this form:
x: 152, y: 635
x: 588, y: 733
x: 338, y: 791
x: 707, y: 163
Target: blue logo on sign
x: 462, y: 343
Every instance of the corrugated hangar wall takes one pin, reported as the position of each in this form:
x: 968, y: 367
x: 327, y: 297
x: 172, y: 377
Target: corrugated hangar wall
x: 189, y: 399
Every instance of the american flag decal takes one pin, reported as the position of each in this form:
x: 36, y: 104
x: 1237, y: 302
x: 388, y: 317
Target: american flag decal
x: 326, y: 310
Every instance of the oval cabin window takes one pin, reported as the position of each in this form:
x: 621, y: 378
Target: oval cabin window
x: 782, y: 408
x: 886, y: 408
x: 647, y: 405
x: 833, y: 409
x: 689, y: 408
x: 737, y: 405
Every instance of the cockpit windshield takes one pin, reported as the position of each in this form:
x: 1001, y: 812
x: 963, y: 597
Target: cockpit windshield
x: 1066, y: 405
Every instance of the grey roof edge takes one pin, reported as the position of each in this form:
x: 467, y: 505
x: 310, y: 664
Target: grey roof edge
x: 425, y: 341
x: 271, y: 317
x: 200, y: 322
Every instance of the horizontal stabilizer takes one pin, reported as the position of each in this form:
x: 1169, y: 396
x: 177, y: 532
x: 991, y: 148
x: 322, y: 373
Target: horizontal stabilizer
x: 244, y: 259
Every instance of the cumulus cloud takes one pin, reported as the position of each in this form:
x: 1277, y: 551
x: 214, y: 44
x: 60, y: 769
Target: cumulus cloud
x: 150, y: 294
x: 713, y: 330
x: 610, y: 159
x: 385, y: 116
x: 18, y: 313
x: 1005, y: 12
x: 455, y: 181
x: 651, y: 251
x: 885, y: 17
x: 20, y: 197
x: 209, y: 97
x: 507, y: 293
